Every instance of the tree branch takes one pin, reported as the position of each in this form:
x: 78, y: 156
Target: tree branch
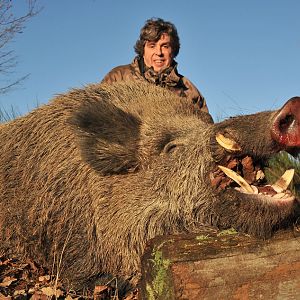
x: 10, y: 26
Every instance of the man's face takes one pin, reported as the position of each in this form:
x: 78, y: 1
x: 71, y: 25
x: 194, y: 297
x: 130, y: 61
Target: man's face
x: 158, y: 54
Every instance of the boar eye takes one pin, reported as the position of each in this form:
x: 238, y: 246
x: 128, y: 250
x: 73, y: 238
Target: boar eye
x: 170, y: 147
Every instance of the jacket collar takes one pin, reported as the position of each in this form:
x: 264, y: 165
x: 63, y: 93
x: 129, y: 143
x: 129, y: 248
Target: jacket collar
x: 168, y: 77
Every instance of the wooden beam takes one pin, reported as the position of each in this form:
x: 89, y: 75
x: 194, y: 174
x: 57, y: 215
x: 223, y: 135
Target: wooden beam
x: 224, y: 265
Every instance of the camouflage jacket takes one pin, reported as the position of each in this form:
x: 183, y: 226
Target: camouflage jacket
x: 169, y: 78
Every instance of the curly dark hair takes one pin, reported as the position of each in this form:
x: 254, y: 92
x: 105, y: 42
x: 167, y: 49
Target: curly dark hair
x: 153, y: 30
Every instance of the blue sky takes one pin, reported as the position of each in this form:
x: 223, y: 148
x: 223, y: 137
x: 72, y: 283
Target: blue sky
x: 244, y: 56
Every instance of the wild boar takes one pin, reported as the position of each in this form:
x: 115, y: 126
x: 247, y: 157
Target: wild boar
x: 88, y: 178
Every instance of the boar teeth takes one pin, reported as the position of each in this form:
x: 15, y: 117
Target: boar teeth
x: 283, y: 182
x: 238, y: 179
x: 284, y: 197
x: 227, y: 143
x: 280, y: 196
x: 254, y: 190
x: 259, y: 175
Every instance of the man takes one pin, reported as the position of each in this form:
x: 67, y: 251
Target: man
x: 156, y: 49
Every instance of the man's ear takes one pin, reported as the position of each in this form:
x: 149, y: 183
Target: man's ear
x: 107, y: 137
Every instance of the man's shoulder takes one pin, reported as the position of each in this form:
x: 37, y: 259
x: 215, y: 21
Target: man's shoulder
x: 188, y: 83
x: 117, y: 73
x: 120, y: 68
x: 124, y: 72
x: 183, y: 80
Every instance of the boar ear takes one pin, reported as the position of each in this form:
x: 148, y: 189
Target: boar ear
x: 107, y: 136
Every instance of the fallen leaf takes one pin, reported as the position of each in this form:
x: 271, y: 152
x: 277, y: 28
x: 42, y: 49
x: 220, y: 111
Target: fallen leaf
x: 48, y: 291
x: 2, y: 297
x: 20, y: 292
x: 100, y: 288
x: 39, y: 296
x: 44, y: 278
x: 7, y: 281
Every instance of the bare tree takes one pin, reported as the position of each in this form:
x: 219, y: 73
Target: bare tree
x: 11, y: 25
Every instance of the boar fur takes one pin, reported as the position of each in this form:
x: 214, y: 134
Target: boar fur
x: 90, y: 177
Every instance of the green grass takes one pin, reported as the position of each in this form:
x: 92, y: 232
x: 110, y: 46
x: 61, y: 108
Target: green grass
x: 279, y: 164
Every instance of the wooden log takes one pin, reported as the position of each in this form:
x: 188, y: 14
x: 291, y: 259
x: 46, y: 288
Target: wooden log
x: 224, y: 265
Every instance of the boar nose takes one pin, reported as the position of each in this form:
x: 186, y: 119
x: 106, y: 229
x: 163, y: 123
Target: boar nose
x: 286, y: 126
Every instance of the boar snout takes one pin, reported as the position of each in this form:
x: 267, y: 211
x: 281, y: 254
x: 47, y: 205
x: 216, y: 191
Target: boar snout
x: 286, y: 126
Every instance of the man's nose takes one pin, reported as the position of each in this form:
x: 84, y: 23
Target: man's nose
x: 158, y: 51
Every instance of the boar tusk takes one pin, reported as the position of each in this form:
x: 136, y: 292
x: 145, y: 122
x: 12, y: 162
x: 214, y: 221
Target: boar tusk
x: 227, y: 143
x: 284, y: 181
x: 238, y: 179
x: 259, y: 175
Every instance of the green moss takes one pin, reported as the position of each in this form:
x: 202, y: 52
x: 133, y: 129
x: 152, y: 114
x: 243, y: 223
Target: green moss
x: 230, y: 231
x: 160, y: 287
x: 202, y: 237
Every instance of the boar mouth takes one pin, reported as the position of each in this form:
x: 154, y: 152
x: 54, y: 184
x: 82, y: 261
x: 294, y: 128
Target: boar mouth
x: 277, y: 192
x: 246, y: 176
